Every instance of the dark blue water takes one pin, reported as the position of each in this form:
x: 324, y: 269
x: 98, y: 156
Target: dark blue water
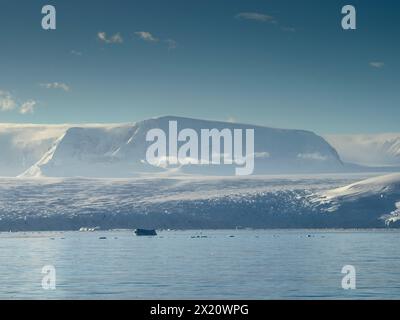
x: 239, y: 264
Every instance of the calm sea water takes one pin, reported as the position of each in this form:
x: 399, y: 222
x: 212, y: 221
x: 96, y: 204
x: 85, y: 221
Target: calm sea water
x: 237, y: 264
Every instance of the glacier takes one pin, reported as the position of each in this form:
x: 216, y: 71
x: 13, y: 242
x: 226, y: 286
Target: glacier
x: 199, y: 202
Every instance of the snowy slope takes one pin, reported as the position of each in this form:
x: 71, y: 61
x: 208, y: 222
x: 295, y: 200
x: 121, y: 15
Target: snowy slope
x: 22, y: 146
x: 119, y: 151
x: 374, y: 198
x: 377, y: 186
x: 89, y: 152
x: 369, y: 150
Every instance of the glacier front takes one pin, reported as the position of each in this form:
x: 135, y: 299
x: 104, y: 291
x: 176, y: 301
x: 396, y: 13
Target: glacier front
x: 199, y: 202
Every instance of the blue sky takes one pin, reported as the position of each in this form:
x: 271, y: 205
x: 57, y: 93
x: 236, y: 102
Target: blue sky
x: 287, y: 64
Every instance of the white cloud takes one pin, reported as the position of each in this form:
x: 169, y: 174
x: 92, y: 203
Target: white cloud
x: 27, y: 107
x: 116, y: 38
x: 146, y: 36
x: 377, y: 64
x: 7, y: 102
x: 56, y: 85
x: 260, y: 17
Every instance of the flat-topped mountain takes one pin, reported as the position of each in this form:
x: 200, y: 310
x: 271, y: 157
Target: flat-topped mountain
x: 119, y: 150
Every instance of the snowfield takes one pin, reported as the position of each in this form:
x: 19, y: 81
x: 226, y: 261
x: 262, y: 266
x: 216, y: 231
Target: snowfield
x: 199, y: 203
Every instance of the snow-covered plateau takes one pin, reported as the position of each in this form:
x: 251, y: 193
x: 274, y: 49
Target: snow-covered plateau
x: 119, y: 150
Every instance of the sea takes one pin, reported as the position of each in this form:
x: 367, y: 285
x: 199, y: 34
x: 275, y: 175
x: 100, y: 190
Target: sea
x: 201, y: 264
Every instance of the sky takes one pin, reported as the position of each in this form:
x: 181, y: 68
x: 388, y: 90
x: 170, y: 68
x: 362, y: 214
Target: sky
x: 282, y: 63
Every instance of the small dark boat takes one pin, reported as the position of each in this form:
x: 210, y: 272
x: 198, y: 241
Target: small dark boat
x: 144, y: 232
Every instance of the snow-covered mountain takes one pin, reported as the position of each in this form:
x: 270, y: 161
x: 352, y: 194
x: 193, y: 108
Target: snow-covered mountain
x: 119, y: 151
x: 368, y: 149
x: 169, y: 198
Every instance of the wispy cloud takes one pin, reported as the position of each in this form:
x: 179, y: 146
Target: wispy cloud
x: 172, y: 44
x: 312, y: 156
x: 116, y: 38
x: 288, y: 29
x: 7, y: 102
x: 264, y: 18
x: 76, y: 53
x: 56, y: 85
x: 149, y: 37
x: 259, y: 17
x: 377, y: 64
x: 146, y: 36
x: 142, y: 35
x: 27, y: 107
